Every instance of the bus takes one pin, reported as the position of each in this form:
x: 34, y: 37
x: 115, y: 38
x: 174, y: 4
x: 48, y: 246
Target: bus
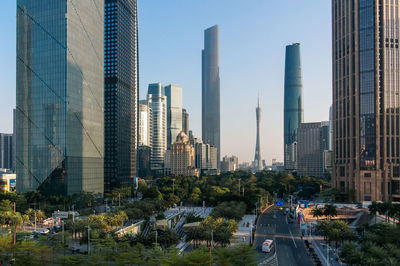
x: 267, y: 245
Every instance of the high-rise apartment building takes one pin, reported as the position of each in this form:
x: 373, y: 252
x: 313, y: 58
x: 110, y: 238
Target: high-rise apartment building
x: 312, y: 142
x: 185, y: 122
x: 145, y: 123
x: 366, y: 100
x: 257, y: 157
x: 293, y: 102
x: 60, y: 96
x: 174, y: 112
x: 121, y: 92
x: 6, y: 151
x: 159, y: 130
x: 211, y: 90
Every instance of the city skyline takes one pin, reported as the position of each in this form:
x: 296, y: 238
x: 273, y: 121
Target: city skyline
x: 260, y: 64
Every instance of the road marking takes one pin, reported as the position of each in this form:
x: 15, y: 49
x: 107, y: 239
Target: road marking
x: 292, y: 238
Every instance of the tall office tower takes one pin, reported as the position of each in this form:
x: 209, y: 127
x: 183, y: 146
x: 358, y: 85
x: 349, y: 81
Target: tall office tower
x: 211, y: 90
x: 185, y: 122
x: 293, y: 104
x: 366, y: 99
x: 6, y: 151
x: 14, y: 140
x: 121, y: 92
x: 330, y: 128
x: 174, y: 112
x: 159, y: 131
x: 145, y: 123
x: 60, y: 96
x: 312, y: 141
x: 257, y: 156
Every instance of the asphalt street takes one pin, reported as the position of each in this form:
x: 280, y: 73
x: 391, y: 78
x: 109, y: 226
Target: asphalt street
x: 289, y: 247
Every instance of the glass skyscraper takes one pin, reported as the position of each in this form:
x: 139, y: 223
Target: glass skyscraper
x: 366, y: 101
x: 211, y: 90
x: 174, y: 112
x: 293, y: 102
x: 60, y: 96
x: 121, y: 92
x: 156, y: 96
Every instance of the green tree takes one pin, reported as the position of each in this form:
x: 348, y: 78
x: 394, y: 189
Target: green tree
x: 330, y: 211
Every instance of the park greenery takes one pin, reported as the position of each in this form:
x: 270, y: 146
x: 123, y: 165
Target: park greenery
x: 109, y: 252
x: 378, y: 244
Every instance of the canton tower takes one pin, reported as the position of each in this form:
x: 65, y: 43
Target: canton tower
x: 257, y: 156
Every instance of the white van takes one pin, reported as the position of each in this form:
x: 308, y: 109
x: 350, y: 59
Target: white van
x: 267, y: 245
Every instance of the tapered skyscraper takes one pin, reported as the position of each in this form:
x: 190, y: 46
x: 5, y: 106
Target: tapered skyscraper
x: 293, y: 105
x: 257, y: 156
x: 366, y: 100
x: 60, y: 96
x: 211, y: 90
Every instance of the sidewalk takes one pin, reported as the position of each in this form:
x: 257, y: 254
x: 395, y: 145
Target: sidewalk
x: 320, y: 248
x: 242, y: 235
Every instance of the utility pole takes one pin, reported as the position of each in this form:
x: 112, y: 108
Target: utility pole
x: 88, y: 229
x: 35, y: 221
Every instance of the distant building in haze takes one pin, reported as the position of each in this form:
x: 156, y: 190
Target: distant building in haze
x: 211, y: 90
x: 121, y: 92
x: 293, y: 103
x: 60, y: 96
x: 229, y: 164
x: 185, y: 122
x: 174, y: 112
x: 159, y: 131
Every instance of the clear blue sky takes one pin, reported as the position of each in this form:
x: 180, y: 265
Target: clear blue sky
x: 253, y: 35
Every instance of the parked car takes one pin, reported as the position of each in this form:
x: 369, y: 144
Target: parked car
x: 44, y: 231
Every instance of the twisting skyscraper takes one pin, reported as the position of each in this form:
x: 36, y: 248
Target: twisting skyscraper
x: 366, y: 99
x: 257, y: 156
x: 293, y: 105
x: 121, y: 92
x: 60, y: 96
x: 211, y: 90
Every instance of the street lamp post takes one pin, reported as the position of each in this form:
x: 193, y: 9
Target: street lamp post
x: 88, y: 229
x: 173, y: 186
x: 239, y: 187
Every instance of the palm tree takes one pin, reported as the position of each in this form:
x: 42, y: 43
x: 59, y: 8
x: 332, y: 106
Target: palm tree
x: 317, y: 212
x: 330, y: 211
x: 373, y: 209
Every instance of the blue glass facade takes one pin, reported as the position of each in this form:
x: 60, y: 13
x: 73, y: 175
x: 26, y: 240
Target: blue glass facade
x: 60, y: 96
x: 293, y: 98
x: 211, y: 90
x: 121, y: 92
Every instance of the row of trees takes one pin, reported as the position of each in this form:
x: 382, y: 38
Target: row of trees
x: 237, y: 186
x: 108, y: 252
x: 213, y: 232
x: 336, y: 231
x: 388, y: 209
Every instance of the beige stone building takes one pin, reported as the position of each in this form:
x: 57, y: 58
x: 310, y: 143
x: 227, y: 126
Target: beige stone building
x: 182, y: 160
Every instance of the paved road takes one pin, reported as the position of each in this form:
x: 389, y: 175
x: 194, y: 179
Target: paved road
x: 289, y: 248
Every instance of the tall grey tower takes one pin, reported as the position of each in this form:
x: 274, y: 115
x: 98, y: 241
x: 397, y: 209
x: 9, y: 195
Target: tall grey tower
x: 211, y: 90
x: 60, y: 96
x: 257, y: 156
x: 121, y: 92
x: 293, y: 105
